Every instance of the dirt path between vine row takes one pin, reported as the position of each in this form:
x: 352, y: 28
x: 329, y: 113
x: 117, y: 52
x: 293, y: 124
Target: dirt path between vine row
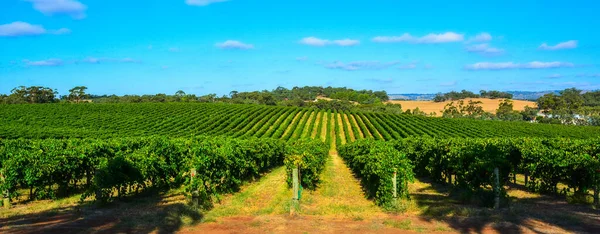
x: 357, y: 126
x: 289, y: 127
x: 349, y: 127
x: 315, y: 129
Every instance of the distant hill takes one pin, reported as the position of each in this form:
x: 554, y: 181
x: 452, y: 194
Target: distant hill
x: 517, y: 95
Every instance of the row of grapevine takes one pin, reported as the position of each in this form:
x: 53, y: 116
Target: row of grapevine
x: 309, y: 156
x: 109, y: 168
x: 189, y: 119
x: 376, y: 163
x: 469, y: 163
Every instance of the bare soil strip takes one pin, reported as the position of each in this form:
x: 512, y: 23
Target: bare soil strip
x: 324, y: 127
x: 362, y: 135
x: 342, y: 134
x: 377, y: 132
x: 306, y: 130
x: 367, y: 133
x: 289, y: 127
x: 318, y: 120
x: 349, y: 128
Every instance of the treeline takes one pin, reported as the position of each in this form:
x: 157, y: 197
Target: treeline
x: 570, y: 106
x: 452, y: 96
x: 325, y: 98
x: 279, y: 96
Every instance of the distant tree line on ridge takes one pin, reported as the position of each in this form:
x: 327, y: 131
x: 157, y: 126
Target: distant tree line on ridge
x: 453, y: 96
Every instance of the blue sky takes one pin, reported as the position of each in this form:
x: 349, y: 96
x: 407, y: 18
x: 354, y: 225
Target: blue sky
x: 215, y: 46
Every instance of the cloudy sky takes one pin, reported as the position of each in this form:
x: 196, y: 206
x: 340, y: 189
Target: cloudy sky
x: 215, y: 46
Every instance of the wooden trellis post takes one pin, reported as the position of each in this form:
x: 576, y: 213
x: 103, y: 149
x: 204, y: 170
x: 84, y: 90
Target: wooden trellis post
x: 6, y: 194
x: 296, y: 189
x: 195, y: 191
x: 395, y: 182
x: 496, y: 188
x: 596, y: 188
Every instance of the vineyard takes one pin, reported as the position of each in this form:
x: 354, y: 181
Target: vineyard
x: 288, y: 123
x: 106, y: 152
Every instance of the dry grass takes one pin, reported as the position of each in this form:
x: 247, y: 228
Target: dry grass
x: 489, y: 105
x: 268, y: 196
x: 339, y: 195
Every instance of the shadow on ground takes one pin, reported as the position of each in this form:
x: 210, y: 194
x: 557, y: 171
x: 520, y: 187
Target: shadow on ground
x: 538, y: 214
x: 158, y: 213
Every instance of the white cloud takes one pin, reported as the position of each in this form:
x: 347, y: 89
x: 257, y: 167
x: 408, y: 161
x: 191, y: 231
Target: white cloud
x: 313, y: 41
x: 73, y: 8
x: 554, y: 76
x: 484, y: 49
x: 91, y: 60
x: 359, y: 65
x: 427, y: 39
x: 346, y: 42
x: 202, y: 2
x: 408, y: 66
x: 511, y: 65
x: 542, y: 65
x: 19, y: 28
x: 588, y: 75
x: 572, y: 44
x: 61, y: 31
x: 44, y: 63
x: 231, y: 44
x: 482, y: 37
x: 94, y: 60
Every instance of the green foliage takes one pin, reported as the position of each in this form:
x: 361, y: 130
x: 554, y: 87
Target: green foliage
x: 53, y: 168
x: 375, y: 163
x: 101, y: 121
x: 310, y: 157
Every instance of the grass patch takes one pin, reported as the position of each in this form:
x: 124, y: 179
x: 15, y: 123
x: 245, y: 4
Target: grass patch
x: 402, y: 224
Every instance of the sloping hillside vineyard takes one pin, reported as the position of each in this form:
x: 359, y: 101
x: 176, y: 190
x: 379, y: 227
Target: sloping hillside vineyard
x: 118, y: 149
x: 288, y: 123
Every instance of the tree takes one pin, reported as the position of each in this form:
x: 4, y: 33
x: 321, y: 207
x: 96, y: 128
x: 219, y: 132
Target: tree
x: 505, y: 111
x: 550, y: 102
x: 77, y: 93
x: 572, y: 99
x: 451, y: 111
x: 33, y: 94
x: 233, y: 94
x: 529, y: 113
x: 472, y: 109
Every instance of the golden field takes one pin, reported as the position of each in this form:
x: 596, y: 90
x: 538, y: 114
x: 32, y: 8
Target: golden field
x: 489, y: 105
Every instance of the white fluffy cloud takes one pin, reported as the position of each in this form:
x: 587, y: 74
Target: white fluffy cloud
x: 482, y: 37
x: 73, y: 8
x: 234, y: 45
x: 511, y: 65
x: 313, y: 41
x: 359, y: 65
x: 44, y: 63
x: 484, y: 49
x: 572, y: 44
x: 19, y: 29
x: 202, y: 2
x: 431, y: 38
x: 554, y: 76
x: 16, y: 29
